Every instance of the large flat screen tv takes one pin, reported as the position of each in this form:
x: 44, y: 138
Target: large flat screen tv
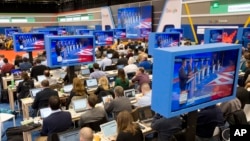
x: 119, y: 33
x: 84, y: 31
x: 213, y: 36
x: 163, y: 40
x: 49, y: 32
x: 243, y: 34
x: 189, y: 78
x: 69, y: 50
x: 178, y: 30
x: 10, y: 31
x: 28, y: 41
x: 136, y: 20
x: 104, y: 37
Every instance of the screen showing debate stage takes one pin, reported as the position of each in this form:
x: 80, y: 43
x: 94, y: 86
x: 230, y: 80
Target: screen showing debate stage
x: 216, y: 36
x: 120, y: 33
x: 49, y: 32
x: 203, y: 77
x: 69, y: 50
x: 84, y: 32
x: 104, y: 37
x: 167, y: 40
x: 28, y: 41
x: 136, y: 20
x: 177, y: 30
x: 246, y: 34
x: 10, y: 31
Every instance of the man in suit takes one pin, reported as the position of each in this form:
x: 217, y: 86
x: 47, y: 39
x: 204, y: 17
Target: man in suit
x: 38, y: 69
x: 183, y: 76
x: 57, y: 121
x: 42, y: 97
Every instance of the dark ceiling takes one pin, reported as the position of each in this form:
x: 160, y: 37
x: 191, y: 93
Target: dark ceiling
x: 54, y: 6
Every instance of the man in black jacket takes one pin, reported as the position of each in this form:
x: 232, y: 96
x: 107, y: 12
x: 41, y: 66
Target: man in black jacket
x: 57, y: 121
x: 42, y: 97
x: 38, y: 69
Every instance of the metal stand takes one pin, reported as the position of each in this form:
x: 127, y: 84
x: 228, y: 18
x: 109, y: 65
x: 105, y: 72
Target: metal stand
x: 30, y: 57
x: 191, y: 126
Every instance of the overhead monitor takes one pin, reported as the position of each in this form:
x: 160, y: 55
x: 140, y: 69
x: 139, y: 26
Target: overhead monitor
x: 69, y: 50
x: 213, y: 36
x: 163, y: 40
x: 28, y: 41
x: 243, y: 33
x: 120, y: 33
x: 10, y: 31
x: 49, y: 32
x: 194, y: 77
x: 177, y: 30
x: 84, y: 31
x: 104, y: 37
x: 61, y: 31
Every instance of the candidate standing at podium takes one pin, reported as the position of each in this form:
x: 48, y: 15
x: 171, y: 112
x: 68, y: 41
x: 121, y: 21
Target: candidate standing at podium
x: 183, y: 76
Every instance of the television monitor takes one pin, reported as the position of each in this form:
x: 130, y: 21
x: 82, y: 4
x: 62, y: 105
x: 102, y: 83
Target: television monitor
x: 194, y: 77
x: 61, y: 31
x: 243, y: 33
x: 178, y: 30
x: 136, y: 20
x: 69, y: 50
x: 213, y: 36
x: 49, y: 32
x: 120, y: 33
x: 104, y: 37
x: 84, y: 31
x: 163, y: 40
x: 28, y: 41
x: 10, y: 31
x: 69, y: 135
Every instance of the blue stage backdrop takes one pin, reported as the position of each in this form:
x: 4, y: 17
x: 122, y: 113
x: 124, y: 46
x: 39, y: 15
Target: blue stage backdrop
x: 136, y: 20
x: 194, y: 77
x: 69, y: 50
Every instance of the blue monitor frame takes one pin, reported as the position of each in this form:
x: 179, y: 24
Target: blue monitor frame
x: 243, y: 33
x: 164, y: 68
x: 119, y: 33
x: 153, y: 41
x: 213, y: 36
x: 178, y: 30
x: 108, y: 40
x: 84, y: 32
x: 71, y: 51
x: 48, y: 32
x: 29, y: 41
x: 10, y: 31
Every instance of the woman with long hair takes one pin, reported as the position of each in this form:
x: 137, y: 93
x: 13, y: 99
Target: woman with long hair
x: 103, y: 88
x: 78, y: 91
x: 127, y: 130
x: 121, y: 79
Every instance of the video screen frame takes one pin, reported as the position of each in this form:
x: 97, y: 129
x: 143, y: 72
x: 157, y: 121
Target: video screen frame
x: 12, y: 30
x: 109, y: 34
x: 120, y: 33
x: 84, y: 31
x: 162, y: 96
x: 242, y: 33
x: 211, y: 33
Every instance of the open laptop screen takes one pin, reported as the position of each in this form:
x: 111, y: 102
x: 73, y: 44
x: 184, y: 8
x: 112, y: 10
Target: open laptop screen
x: 33, y: 92
x: 40, y: 78
x: 85, y: 71
x: 91, y: 83
x: 119, y: 66
x: 71, y: 135
x: 80, y: 104
x: 129, y: 93
x: 45, y: 112
x: 109, y: 129
x: 67, y: 88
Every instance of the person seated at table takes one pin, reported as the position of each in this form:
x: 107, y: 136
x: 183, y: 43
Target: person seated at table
x: 50, y: 78
x: 166, y: 127
x: 42, y: 98
x: 131, y: 67
x: 130, y: 53
x: 78, y: 92
x: 7, y: 67
x: 38, y: 69
x: 140, y: 77
x: 145, y: 99
x: 143, y: 62
x: 127, y: 129
x: 86, y: 134
x: 121, y: 79
x: 18, y: 60
x: 103, y: 88
x: 97, y: 72
x: 119, y: 103
x: 247, y: 72
x: 208, y: 119
x: 122, y: 60
x: 70, y: 75
x: 94, y: 114
x: 1, y: 60
x: 141, y: 54
x: 105, y: 61
x: 57, y: 121
x: 25, y: 65
x: 23, y: 88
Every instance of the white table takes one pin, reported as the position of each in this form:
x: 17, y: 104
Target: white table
x: 5, y: 117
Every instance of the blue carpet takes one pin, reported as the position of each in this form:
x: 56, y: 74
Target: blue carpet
x: 9, y: 123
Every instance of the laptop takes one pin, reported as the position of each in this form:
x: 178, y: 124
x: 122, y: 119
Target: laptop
x: 114, y: 60
x: 34, y: 91
x: 40, y: 78
x: 104, y: 98
x: 80, y: 105
x: 91, y: 84
x: 67, y: 88
x: 85, y: 72
x: 62, y: 75
x: 109, y: 130
x: 146, y: 115
x: 130, y: 93
x: 109, y: 55
x: 120, y: 66
x: 45, y: 112
x: 69, y: 135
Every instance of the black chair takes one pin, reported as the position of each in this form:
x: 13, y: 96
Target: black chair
x: 145, y: 113
x: 111, y: 67
x: 130, y: 75
x: 95, y: 126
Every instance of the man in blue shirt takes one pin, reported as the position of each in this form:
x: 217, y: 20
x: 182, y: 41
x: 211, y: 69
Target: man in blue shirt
x: 97, y: 72
x: 145, y: 63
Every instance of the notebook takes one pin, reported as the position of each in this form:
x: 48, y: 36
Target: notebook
x: 33, y: 92
x: 130, y: 93
x: 40, y: 78
x: 67, y: 88
x: 91, y: 84
x: 80, y: 105
x: 109, y: 129
x: 69, y: 135
x: 45, y: 112
x: 85, y: 72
